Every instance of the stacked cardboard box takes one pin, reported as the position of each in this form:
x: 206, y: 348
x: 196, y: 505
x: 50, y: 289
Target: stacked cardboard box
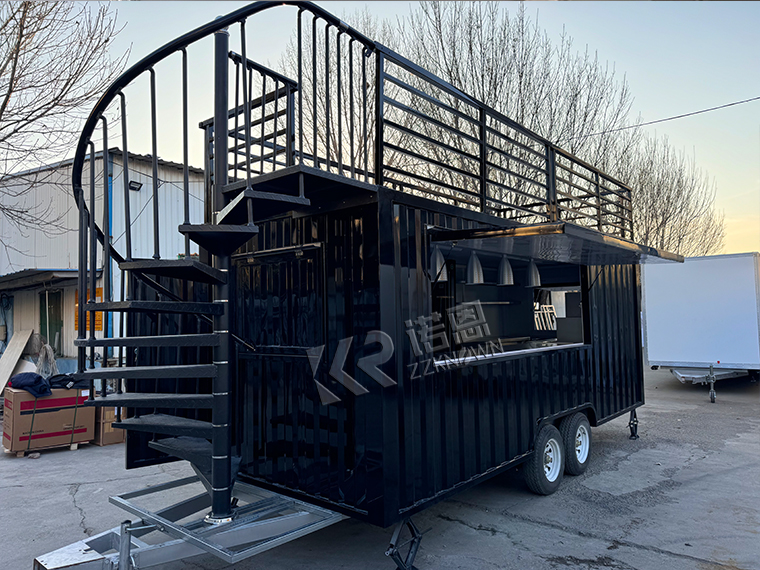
x: 105, y: 433
x: 55, y: 420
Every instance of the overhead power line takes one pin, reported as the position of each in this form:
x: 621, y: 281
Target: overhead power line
x: 667, y: 119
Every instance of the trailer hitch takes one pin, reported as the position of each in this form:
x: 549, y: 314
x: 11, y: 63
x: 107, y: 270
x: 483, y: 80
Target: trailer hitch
x: 394, y: 547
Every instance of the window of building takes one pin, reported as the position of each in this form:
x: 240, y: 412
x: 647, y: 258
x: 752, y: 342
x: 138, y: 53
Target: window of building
x: 51, y: 319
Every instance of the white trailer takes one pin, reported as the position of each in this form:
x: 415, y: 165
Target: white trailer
x: 702, y: 317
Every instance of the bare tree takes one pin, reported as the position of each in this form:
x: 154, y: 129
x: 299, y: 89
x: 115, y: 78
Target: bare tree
x: 674, y: 201
x: 54, y: 64
x: 571, y: 98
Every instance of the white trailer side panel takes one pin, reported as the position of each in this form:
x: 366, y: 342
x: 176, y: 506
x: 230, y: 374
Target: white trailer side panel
x: 703, y: 311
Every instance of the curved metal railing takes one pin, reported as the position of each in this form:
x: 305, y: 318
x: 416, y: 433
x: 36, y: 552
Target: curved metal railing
x: 360, y: 110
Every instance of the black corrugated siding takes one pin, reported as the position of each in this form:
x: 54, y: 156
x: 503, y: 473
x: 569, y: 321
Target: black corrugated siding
x: 297, y: 301
x: 398, y: 449
x: 457, y: 425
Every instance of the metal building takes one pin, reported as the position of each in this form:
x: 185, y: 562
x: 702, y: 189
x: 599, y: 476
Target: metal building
x: 38, y: 268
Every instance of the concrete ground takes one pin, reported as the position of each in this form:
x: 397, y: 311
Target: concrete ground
x: 685, y: 496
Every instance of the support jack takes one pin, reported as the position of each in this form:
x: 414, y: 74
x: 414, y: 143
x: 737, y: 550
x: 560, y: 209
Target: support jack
x: 394, y: 547
x: 633, y: 425
x: 711, y: 380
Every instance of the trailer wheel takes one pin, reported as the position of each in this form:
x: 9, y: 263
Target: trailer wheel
x: 544, y: 469
x: 576, y: 433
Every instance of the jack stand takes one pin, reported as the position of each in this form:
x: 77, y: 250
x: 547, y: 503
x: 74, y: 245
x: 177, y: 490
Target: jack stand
x: 711, y: 380
x: 414, y: 542
x: 125, y: 545
x: 633, y: 424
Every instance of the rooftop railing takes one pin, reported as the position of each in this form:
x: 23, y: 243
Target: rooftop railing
x: 357, y: 109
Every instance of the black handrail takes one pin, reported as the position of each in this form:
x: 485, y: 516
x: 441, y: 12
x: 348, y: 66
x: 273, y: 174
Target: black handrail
x: 179, y: 44
x: 384, y: 55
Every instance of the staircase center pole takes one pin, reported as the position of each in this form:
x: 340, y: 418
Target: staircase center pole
x: 221, y: 480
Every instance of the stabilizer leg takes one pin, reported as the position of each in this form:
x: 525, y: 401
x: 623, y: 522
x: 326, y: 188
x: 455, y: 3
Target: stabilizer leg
x: 633, y: 424
x: 414, y: 545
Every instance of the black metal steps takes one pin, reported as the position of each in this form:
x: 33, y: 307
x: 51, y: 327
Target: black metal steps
x: 219, y: 239
x: 187, y: 269
x: 265, y: 205
x: 184, y: 340
x: 157, y: 307
x: 196, y: 450
x: 165, y: 424
x: 153, y: 400
x: 129, y: 372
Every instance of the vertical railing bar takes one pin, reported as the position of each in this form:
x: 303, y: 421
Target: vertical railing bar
x: 106, y: 217
x: 340, y: 102
x: 314, y: 88
x: 106, y: 248
x: 351, y: 105
x: 127, y: 215
x: 290, y: 135
x: 327, y: 96
x: 379, y: 98
x: 154, y: 140
x: 598, y: 201
x: 263, y: 118
x: 122, y: 316
x: 185, y: 150
x: 82, y: 278
x: 276, y: 122
x: 237, y: 114
x: 92, y: 297
x: 249, y: 135
x: 250, y: 100
x: 483, y: 160
x: 365, y: 126
x: 246, y: 116
x: 551, y: 186
x: 300, y: 89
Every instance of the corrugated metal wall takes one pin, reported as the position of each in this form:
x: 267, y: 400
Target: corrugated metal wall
x: 54, y: 248
x: 299, y: 299
x: 393, y: 450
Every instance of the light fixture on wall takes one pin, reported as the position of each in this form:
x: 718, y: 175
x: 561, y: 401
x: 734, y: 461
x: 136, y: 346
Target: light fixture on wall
x: 438, y: 271
x: 474, y: 271
x: 534, y: 277
x: 134, y: 185
x: 506, y: 275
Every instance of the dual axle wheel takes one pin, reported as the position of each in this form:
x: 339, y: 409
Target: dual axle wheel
x: 559, y: 451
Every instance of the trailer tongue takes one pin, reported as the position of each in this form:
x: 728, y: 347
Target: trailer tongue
x: 263, y: 521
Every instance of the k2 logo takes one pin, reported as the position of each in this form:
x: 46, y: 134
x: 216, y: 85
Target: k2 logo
x: 369, y: 364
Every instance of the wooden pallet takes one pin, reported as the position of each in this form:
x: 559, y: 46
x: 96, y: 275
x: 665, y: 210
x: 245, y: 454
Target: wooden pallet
x: 72, y: 447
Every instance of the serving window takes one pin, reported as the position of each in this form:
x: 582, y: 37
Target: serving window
x: 508, y: 304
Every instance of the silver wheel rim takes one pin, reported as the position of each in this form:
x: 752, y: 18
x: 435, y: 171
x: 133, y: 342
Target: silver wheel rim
x: 581, y: 444
x: 552, y: 460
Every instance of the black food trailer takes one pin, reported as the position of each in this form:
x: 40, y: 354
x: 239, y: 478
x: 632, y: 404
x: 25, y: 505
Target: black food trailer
x: 395, y: 292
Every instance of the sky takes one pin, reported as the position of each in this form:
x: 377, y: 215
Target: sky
x: 677, y: 57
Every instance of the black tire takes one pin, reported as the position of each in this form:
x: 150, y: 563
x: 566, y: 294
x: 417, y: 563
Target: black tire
x: 576, y: 433
x: 541, y: 477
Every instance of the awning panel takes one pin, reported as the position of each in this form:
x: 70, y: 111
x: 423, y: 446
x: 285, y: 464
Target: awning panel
x: 560, y: 241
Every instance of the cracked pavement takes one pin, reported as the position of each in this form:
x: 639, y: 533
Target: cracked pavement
x: 686, y: 496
